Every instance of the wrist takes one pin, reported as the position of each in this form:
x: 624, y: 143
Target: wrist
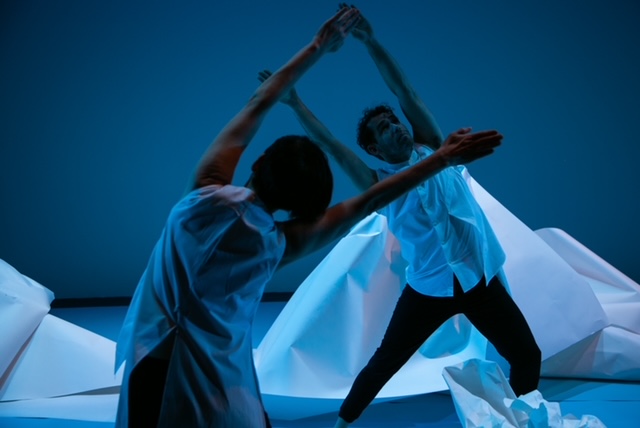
x: 318, y: 46
x: 443, y: 158
x: 370, y: 41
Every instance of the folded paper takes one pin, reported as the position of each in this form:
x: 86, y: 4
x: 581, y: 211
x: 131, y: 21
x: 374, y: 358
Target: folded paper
x: 51, y: 368
x: 483, y: 398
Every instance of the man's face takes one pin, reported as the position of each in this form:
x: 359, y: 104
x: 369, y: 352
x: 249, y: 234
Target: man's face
x: 393, y: 140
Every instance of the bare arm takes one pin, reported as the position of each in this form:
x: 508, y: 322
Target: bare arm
x: 460, y: 147
x: 361, y: 175
x: 425, y: 128
x: 218, y: 163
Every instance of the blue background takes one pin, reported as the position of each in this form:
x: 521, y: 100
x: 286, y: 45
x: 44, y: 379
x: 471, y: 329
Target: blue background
x: 106, y: 106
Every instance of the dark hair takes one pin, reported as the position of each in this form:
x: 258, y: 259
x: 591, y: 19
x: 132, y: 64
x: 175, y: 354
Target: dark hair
x: 294, y: 175
x: 365, y: 136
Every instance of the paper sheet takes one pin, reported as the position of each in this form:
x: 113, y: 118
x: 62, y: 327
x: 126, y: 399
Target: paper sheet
x: 62, y: 359
x: 483, y: 398
x: 614, y: 351
x: 94, y: 408
x: 23, y: 304
x: 52, y: 368
x: 550, y: 293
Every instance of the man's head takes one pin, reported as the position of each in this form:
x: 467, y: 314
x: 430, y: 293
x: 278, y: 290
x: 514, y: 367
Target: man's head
x: 293, y: 175
x: 382, y: 135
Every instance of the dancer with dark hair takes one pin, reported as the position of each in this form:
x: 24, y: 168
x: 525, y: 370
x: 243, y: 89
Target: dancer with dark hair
x: 186, y: 338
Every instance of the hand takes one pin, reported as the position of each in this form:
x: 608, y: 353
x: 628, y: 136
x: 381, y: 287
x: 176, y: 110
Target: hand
x: 331, y: 35
x: 289, y: 98
x: 462, y: 146
x: 363, y: 30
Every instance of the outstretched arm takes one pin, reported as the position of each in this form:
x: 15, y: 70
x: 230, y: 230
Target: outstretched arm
x: 461, y: 147
x: 221, y: 158
x: 361, y: 175
x: 425, y: 128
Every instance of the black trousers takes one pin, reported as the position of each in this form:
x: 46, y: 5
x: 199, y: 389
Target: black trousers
x: 146, y: 388
x: 490, y: 309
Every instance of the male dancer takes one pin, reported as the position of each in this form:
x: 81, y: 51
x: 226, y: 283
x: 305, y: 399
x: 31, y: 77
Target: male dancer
x: 453, y: 254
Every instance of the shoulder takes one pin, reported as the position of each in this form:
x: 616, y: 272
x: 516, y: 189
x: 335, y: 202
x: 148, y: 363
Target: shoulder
x: 226, y: 194
x: 215, y: 198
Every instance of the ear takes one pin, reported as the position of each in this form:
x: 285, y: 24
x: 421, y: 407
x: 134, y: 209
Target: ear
x: 372, y: 149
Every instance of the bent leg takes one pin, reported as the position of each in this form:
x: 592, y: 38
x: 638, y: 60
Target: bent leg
x: 414, y: 319
x: 494, y: 313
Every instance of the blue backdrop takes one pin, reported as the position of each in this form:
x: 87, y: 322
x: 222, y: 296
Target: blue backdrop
x: 106, y: 106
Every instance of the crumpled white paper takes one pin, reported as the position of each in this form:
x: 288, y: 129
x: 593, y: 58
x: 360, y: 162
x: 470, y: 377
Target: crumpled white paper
x: 50, y: 367
x: 23, y: 304
x: 61, y: 359
x: 536, y: 412
x: 613, y: 352
x: 483, y: 398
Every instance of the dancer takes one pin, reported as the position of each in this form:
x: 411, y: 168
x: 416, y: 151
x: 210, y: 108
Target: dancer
x: 186, y: 338
x: 453, y: 254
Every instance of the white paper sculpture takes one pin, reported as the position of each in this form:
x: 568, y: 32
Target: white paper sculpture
x: 614, y: 351
x: 483, y: 398
x: 51, y: 368
x: 23, y: 304
x: 560, y: 306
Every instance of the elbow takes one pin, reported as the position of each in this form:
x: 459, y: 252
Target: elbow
x: 406, y: 93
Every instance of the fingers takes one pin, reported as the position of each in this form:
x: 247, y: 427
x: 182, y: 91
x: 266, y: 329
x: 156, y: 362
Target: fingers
x: 481, y: 137
x: 264, y: 75
x: 336, y: 29
x: 348, y: 19
x: 488, y: 138
x: 342, y: 5
x: 467, y: 130
x: 346, y: 14
x: 467, y: 147
x: 352, y: 20
x: 343, y: 20
x: 463, y: 131
x: 339, y: 14
x: 489, y: 132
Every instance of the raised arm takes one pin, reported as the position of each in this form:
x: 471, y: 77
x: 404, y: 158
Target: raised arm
x: 361, y: 175
x: 461, y: 147
x: 425, y: 128
x: 218, y: 163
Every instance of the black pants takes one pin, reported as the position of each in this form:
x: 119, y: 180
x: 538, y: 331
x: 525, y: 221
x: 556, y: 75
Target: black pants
x: 416, y: 316
x: 146, y: 388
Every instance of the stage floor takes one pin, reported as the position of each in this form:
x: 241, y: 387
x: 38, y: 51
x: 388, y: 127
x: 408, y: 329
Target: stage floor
x: 616, y: 404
